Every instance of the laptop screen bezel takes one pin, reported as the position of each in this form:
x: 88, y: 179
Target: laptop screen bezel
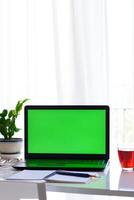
x: 67, y: 156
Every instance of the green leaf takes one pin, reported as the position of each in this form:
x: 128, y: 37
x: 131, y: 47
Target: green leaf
x: 14, y: 113
x: 2, y: 120
x: 3, y: 131
x: 4, y: 113
x: 17, y: 129
x: 19, y: 105
x: 10, y: 114
x: 7, y: 122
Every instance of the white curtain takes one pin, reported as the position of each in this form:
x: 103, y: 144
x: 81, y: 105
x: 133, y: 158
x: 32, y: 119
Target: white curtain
x: 120, y: 26
x: 81, y: 51
x: 27, y: 58
x: 53, y: 52
x: 120, y: 18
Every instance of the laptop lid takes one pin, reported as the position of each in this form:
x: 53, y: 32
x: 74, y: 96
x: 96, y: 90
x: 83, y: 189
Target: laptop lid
x: 67, y: 132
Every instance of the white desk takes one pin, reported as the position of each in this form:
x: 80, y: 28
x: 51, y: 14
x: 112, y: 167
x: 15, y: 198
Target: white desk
x: 114, y: 183
x: 15, y: 190
x: 99, y: 187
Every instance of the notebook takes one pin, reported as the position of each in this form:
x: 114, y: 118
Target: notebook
x: 53, y: 176
x: 66, y: 137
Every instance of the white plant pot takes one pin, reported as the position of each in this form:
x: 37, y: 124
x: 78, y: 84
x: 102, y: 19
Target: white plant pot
x: 10, y: 148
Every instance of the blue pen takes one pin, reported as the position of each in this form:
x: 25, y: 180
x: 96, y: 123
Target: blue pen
x: 77, y: 174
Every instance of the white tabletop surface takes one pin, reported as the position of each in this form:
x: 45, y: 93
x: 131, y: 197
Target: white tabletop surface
x: 113, y: 181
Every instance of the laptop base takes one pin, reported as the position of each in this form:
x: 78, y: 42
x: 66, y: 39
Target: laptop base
x: 76, y: 165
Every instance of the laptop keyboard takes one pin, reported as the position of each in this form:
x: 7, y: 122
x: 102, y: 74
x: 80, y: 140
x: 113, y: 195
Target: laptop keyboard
x: 68, y: 163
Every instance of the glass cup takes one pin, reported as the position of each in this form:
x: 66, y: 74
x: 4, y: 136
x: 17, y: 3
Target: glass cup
x: 126, y: 157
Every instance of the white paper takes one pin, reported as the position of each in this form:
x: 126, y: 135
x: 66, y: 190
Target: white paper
x: 31, y: 175
x: 43, y: 174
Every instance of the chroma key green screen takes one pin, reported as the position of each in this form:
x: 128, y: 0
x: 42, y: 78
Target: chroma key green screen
x: 67, y: 131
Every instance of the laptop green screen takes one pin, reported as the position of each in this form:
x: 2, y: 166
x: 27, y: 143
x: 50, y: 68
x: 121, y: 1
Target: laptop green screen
x: 66, y: 131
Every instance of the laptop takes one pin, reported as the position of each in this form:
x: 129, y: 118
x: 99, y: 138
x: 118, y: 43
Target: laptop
x: 66, y: 137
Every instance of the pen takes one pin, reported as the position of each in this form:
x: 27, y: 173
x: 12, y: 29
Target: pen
x: 77, y: 174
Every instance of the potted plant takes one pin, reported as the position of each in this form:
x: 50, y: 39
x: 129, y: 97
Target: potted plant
x: 10, y: 146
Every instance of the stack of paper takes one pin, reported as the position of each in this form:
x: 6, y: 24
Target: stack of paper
x: 48, y: 175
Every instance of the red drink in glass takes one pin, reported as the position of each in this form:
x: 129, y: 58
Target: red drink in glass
x: 126, y: 157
